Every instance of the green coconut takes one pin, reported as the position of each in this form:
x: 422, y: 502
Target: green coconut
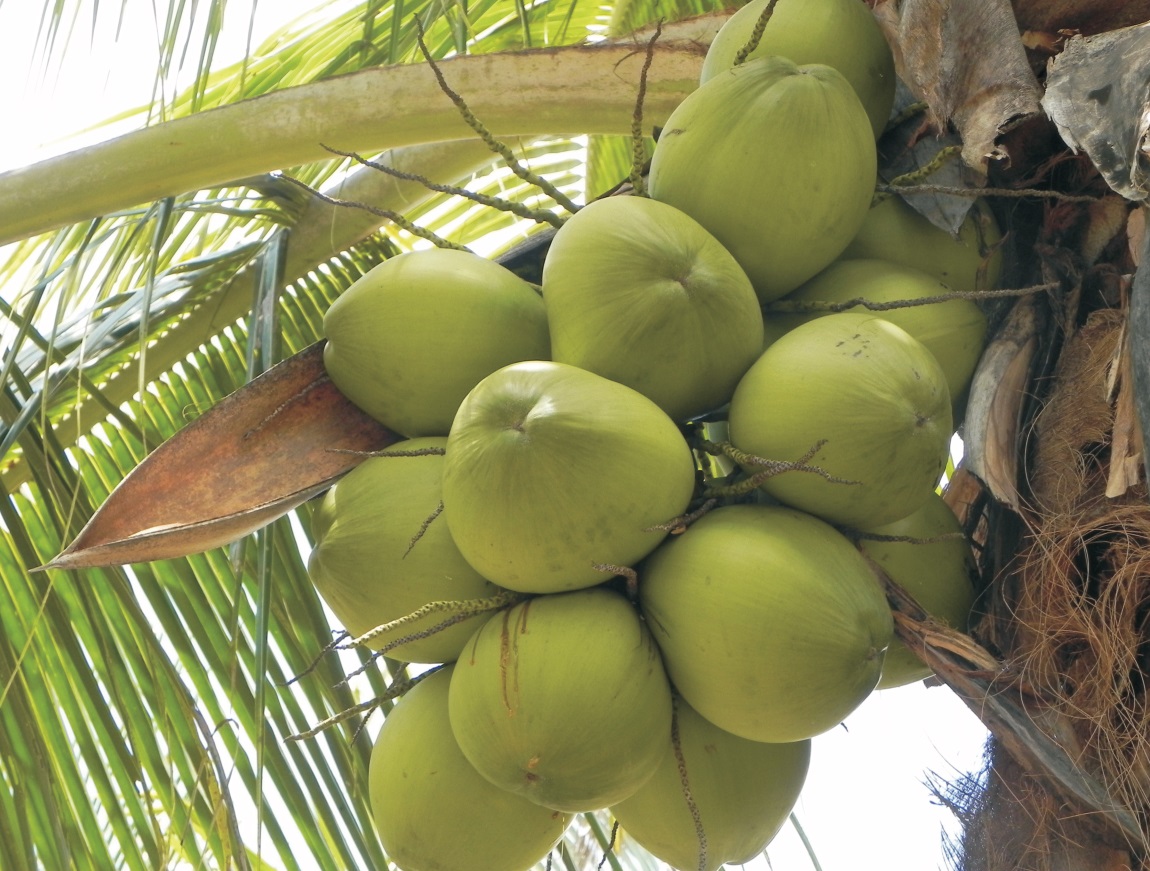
x: 367, y: 568
x: 433, y: 810
x: 563, y: 700
x: 895, y: 231
x: 742, y: 791
x: 869, y: 396
x: 954, y: 331
x: 770, y: 622
x: 638, y: 292
x: 839, y: 33
x: 937, y: 573
x: 552, y: 471
x: 408, y: 340
x: 777, y: 161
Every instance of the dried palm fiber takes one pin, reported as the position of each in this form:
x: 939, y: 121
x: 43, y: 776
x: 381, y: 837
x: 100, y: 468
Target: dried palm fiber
x: 1077, y: 419
x: 1082, y: 599
x: 1071, y: 621
x: 1011, y: 821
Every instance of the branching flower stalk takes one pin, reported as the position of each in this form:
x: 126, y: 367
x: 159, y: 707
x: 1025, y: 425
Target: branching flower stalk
x: 638, y: 140
x: 540, y: 216
x: 909, y: 179
x: 626, y: 572
x: 395, y: 217
x: 685, y: 784
x: 397, y: 689
x: 794, y: 306
x: 423, y: 527
x: 756, y: 34
x: 494, y: 144
x: 679, y: 525
x: 977, y: 193
x: 389, y: 452
x: 767, y: 468
x: 859, y: 535
x: 460, y: 610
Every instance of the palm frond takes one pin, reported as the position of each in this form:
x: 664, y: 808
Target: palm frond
x: 148, y: 649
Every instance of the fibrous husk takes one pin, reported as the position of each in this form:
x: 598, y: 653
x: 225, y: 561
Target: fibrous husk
x: 1012, y: 821
x: 1069, y: 618
x: 1076, y: 421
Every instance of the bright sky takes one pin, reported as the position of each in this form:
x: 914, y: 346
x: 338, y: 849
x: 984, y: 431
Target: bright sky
x: 865, y: 805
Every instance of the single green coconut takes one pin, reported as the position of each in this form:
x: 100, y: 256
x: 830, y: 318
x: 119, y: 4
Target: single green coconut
x: 870, y: 401
x: 552, y: 471
x: 954, y: 331
x: 408, y: 340
x: 377, y: 558
x: 895, y: 231
x: 937, y: 573
x: 638, y: 292
x: 742, y: 792
x: 563, y: 700
x: 777, y: 161
x: 839, y: 33
x: 433, y: 811
x: 770, y: 622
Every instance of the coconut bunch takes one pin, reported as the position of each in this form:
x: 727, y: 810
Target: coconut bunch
x: 632, y: 611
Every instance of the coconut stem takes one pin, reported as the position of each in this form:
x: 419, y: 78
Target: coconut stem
x: 908, y: 112
x: 397, y: 689
x: 859, y: 535
x: 541, y: 216
x: 627, y: 572
x: 334, y: 644
x: 422, y: 452
x: 678, y: 525
x: 610, y: 848
x: 460, y: 610
x: 423, y: 527
x: 978, y: 193
x: 756, y: 34
x: 767, y: 468
x: 490, y: 141
x: 283, y: 406
x: 638, y: 141
x: 685, y: 783
x: 395, y: 217
x: 943, y: 157
x: 795, y: 306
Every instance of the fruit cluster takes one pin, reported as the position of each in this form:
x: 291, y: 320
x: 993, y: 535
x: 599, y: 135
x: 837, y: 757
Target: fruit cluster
x: 554, y: 446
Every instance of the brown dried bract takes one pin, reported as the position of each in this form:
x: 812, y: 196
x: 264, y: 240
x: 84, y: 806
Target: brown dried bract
x: 266, y: 448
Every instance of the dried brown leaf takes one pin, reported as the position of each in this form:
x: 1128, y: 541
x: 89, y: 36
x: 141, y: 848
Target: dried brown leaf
x: 1136, y: 235
x: 1126, y: 444
x: 252, y: 457
x: 1083, y: 16
x: 1106, y: 218
x: 997, y: 392
x: 965, y: 58
x: 1096, y: 94
x: 963, y: 494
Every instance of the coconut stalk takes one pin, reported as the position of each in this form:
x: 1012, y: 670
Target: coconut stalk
x: 555, y: 91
